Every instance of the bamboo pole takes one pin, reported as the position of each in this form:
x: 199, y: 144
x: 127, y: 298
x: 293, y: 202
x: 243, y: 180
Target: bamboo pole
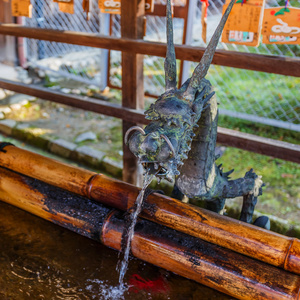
x: 264, y: 245
x: 219, y: 268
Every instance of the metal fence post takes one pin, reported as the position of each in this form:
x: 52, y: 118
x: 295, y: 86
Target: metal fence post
x: 104, y: 30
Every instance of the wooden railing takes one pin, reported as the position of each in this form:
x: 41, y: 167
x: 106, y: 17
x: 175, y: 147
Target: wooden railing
x: 133, y: 47
x: 250, y: 61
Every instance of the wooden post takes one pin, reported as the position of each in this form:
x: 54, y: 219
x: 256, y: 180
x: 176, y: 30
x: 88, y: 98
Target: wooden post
x: 132, y: 20
x: 7, y: 43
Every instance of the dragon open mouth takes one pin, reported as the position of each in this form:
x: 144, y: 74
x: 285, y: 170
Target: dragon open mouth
x: 157, y: 169
x: 155, y: 151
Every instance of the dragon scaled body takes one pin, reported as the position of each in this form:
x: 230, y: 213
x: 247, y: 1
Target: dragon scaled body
x: 181, y: 137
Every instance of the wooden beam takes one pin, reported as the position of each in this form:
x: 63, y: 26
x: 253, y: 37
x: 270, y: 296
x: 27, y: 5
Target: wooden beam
x: 227, y: 137
x: 249, y: 61
x: 86, y: 103
x: 258, y: 144
x: 132, y: 26
x: 160, y: 11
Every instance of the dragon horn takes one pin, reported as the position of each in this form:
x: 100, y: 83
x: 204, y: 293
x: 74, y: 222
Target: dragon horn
x: 141, y: 130
x: 170, y: 61
x: 203, y: 66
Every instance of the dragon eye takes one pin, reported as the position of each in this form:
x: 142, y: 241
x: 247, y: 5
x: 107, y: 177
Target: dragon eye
x: 173, y: 125
x: 155, y: 135
x: 173, y: 153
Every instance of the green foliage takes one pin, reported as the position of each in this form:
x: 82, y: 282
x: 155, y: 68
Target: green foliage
x: 48, y: 82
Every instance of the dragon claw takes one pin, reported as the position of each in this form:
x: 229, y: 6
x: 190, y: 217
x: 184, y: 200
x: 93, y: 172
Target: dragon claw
x: 217, y: 156
x: 228, y: 173
x: 251, y: 174
x: 263, y: 222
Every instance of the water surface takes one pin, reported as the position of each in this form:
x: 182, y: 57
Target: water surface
x: 40, y: 260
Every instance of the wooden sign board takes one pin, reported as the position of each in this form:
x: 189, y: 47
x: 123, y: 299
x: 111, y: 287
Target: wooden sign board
x: 281, y: 21
x: 149, y: 5
x: 244, y: 23
x: 65, y: 6
x: 204, y: 21
x: 114, y: 6
x: 21, y: 8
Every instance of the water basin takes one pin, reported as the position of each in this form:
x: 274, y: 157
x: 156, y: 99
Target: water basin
x: 40, y: 260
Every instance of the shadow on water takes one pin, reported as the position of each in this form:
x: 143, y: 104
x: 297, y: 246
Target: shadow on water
x: 39, y: 260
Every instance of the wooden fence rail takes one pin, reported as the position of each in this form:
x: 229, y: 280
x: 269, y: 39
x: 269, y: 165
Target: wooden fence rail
x: 233, y: 138
x: 249, y: 61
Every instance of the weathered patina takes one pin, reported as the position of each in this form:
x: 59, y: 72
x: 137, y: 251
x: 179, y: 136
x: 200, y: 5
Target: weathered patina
x: 181, y: 137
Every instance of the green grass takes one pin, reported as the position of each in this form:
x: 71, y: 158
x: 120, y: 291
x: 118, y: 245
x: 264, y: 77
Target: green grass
x: 282, y: 178
x: 262, y: 94
x: 259, y: 92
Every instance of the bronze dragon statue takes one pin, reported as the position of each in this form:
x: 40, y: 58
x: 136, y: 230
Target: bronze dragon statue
x: 181, y: 137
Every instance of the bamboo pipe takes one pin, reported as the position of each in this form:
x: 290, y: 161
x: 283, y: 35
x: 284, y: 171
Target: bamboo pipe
x: 219, y: 268
x: 246, y: 239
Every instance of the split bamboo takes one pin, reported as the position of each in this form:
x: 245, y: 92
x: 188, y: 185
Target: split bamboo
x: 264, y: 245
x: 219, y: 268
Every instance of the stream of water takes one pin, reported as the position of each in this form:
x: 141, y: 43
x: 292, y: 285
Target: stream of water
x: 133, y: 217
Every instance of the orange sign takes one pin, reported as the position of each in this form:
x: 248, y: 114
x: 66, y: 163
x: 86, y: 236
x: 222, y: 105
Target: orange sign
x: 149, y: 5
x: 21, y: 8
x: 281, y: 21
x: 204, y: 20
x: 244, y: 23
x: 65, y: 6
x: 114, y: 6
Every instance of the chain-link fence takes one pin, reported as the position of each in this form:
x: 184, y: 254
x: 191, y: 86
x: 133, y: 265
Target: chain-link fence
x: 65, y: 60
x: 261, y: 97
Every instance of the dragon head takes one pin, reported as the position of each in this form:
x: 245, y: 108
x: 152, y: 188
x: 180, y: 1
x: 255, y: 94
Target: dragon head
x: 163, y: 145
x: 157, y: 146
